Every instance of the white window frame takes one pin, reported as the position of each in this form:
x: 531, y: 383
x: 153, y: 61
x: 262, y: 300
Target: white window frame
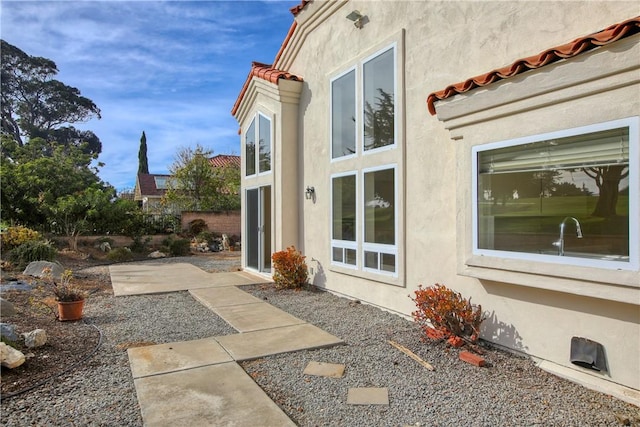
x: 360, y: 85
x: 355, y: 136
x: 346, y: 244
x: 632, y: 123
x: 379, y: 248
x: 256, y: 121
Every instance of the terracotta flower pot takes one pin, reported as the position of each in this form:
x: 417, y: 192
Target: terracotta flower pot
x: 70, y: 310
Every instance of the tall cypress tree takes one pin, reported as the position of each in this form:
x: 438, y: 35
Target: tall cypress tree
x: 143, y: 163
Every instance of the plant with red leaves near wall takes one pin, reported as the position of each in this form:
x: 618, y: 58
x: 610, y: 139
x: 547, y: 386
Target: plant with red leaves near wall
x: 443, y: 313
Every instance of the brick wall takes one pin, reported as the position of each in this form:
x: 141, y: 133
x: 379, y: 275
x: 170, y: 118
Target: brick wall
x: 218, y: 222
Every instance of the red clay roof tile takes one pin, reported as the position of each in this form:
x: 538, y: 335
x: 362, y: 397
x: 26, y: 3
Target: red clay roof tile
x: 568, y: 50
x: 264, y: 72
x: 222, y: 160
x: 295, y: 10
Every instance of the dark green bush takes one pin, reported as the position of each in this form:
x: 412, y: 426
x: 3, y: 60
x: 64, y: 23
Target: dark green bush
x: 179, y: 247
x: 139, y: 244
x: 34, y: 250
x: 120, y: 254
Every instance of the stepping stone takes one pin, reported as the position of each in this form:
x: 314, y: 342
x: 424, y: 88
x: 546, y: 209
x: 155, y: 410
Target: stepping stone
x: 222, y: 297
x: 255, y: 317
x: 368, y: 396
x: 321, y: 369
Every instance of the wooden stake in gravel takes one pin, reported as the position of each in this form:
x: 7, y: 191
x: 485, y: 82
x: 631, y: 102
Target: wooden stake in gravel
x: 412, y: 355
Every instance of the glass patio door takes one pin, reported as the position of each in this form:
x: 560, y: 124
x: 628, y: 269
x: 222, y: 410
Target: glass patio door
x: 258, y: 229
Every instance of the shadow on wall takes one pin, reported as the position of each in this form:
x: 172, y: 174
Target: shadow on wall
x: 319, y: 278
x: 502, y: 333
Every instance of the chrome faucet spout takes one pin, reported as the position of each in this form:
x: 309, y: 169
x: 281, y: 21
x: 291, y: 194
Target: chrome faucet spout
x: 560, y: 242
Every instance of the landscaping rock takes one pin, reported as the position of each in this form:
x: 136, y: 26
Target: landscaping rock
x: 105, y: 247
x: 10, y: 357
x: 9, y: 331
x: 35, y: 269
x: 35, y: 338
x: 6, y: 308
x: 157, y: 254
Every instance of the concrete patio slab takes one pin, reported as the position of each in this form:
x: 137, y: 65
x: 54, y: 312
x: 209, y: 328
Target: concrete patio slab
x: 221, y: 297
x: 255, y: 317
x: 255, y: 344
x: 215, y: 395
x: 177, y: 356
x: 368, y: 396
x: 146, y: 278
x: 321, y: 369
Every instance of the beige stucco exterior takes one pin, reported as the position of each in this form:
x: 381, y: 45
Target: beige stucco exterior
x: 532, y: 308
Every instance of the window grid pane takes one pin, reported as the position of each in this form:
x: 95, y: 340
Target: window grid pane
x: 379, y: 207
x: 265, y: 144
x: 250, y: 149
x: 344, y: 208
x: 379, y: 99
x: 343, y: 115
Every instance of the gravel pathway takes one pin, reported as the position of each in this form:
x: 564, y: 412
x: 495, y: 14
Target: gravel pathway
x: 512, y: 391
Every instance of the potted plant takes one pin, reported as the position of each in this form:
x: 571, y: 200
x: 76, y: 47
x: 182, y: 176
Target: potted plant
x: 69, y: 299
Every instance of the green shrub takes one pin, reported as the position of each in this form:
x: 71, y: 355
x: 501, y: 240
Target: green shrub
x: 139, y: 244
x: 205, y: 236
x: 290, y: 269
x: 179, y: 247
x: 448, y: 312
x: 35, y: 250
x: 120, y: 254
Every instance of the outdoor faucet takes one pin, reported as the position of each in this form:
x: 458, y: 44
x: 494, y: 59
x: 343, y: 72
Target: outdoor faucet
x: 560, y: 242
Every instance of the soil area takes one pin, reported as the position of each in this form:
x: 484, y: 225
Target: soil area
x: 68, y: 342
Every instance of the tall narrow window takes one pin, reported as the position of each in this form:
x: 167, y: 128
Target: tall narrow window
x: 379, y: 101
x: 343, y: 115
x: 250, y: 149
x: 344, y: 220
x: 380, y: 220
x: 264, y: 127
x: 564, y: 196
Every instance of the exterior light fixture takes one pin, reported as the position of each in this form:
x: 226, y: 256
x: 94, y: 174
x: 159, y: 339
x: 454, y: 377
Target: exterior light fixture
x: 309, y: 193
x: 356, y: 17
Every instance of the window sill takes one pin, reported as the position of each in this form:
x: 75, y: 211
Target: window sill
x: 380, y: 278
x: 615, y: 285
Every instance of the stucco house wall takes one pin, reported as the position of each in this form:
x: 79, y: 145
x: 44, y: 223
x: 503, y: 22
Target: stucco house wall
x: 438, y: 43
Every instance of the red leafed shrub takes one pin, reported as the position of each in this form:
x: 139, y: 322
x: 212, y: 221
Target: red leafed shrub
x: 290, y: 269
x: 446, y: 311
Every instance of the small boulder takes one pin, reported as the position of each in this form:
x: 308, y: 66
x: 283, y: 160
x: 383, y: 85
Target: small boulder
x: 105, y: 247
x: 35, y: 269
x: 35, y: 338
x: 157, y: 254
x: 9, y: 331
x: 10, y: 357
x: 6, y: 308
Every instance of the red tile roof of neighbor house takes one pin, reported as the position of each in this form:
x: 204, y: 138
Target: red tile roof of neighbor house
x: 569, y: 50
x: 264, y: 72
x: 222, y: 160
x: 147, y: 184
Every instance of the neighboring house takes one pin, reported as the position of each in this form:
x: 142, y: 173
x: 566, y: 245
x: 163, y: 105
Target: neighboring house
x: 360, y: 149
x: 149, y: 191
x: 223, y: 160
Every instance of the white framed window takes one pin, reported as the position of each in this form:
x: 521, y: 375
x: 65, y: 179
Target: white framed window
x: 366, y: 195
x: 343, y: 115
x: 379, y: 106
x: 563, y: 197
x: 379, y: 245
x: 258, y: 143
x: 344, y: 219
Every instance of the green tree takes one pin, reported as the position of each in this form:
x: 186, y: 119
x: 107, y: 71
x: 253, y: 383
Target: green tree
x: 35, y: 105
x: 143, y: 163
x: 196, y: 185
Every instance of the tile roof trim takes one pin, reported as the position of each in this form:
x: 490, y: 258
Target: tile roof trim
x: 222, y: 160
x: 569, y: 50
x: 264, y: 72
x: 295, y: 10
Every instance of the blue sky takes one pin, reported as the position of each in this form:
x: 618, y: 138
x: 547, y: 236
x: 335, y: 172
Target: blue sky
x: 173, y: 69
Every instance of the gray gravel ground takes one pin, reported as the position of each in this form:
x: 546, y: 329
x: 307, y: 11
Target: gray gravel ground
x: 510, y: 392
